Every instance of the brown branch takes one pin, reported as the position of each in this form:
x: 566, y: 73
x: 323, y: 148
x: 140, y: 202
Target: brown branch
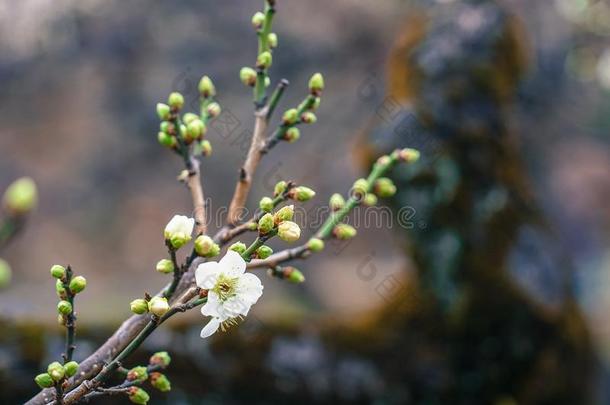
x: 242, y: 189
x: 193, y: 182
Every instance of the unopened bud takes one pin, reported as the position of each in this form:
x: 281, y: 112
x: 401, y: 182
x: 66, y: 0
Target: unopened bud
x: 336, y: 202
x: 238, y: 247
x: 206, y: 87
x: 5, y: 273
x: 283, y: 214
x: 196, y: 129
x: 247, y: 75
x: 206, y: 247
x: 370, y: 199
x: 71, y: 368
x: 44, y: 380
x: 279, y: 188
x: 21, y: 196
x: 264, y: 60
x: 360, y: 187
x: 166, y: 140
x: 384, y: 187
x: 293, y: 275
x: 315, y: 245
x: 138, y: 373
x: 138, y: 396
x: 258, y: 19
x: 290, y: 116
x: 288, y: 231
x: 160, y: 382
x: 189, y: 117
x: 64, y: 307
x: 272, y: 40
x: 163, y: 111
x: 409, y: 155
x: 160, y: 359
x: 60, y: 289
x: 302, y: 193
x: 175, y: 100
x: 266, y: 204
x: 344, y: 231
x: 56, y: 371
x: 78, y: 284
x: 214, y: 110
x: 308, y: 117
x: 206, y: 148
x: 165, y: 266
x: 264, y: 252
x: 158, y: 306
x: 384, y: 160
x: 138, y: 306
x: 265, y: 224
x: 316, y: 84
x: 292, y: 134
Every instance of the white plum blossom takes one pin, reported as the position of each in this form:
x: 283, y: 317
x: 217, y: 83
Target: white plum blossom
x: 178, y: 230
x: 231, y: 291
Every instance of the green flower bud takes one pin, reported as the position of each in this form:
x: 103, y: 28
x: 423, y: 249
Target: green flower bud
x: 264, y: 60
x: 272, y: 40
x: 258, y: 19
x: 344, y: 231
x: 71, y: 368
x: 138, y: 373
x: 384, y: 160
x: 175, y: 100
x: 158, y: 306
x: 288, y: 231
x: 64, y: 307
x: 252, y: 226
x: 5, y: 273
x: 206, y: 147
x: 166, y: 140
x: 308, y: 117
x: 302, y: 193
x: 316, y: 84
x: 214, y: 110
x: 206, y: 247
x: 206, y: 87
x: 336, y: 202
x: 184, y: 134
x: 315, y: 245
x: 384, y: 187
x: 293, y: 275
x: 265, y: 224
x: 163, y: 111
x: 290, y: 116
x: 264, y: 252
x: 78, y: 284
x: 44, y: 380
x: 266, y: 204
x: 196, y: 129
x: 21, y: 196
x: 292, y: 134
x: 370, y: 199
x: 60, y: 289
x: 160, y: 382
x: 238, y: 247
x: 138, y: 306
x: 360, y: 187
x: 138, y: 396
x: 284, y: 214
x: 56, y: 371
x: 189, y: 117
x: 160, y: 359
x: 409, y: 155
x: 247, y: 75
x: 279, y: 188
x: 165, y: 266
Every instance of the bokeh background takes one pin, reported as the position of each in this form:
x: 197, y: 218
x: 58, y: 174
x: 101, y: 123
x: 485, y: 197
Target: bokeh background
x: 79, y: 82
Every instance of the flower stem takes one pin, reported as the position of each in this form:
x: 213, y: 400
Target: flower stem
x: 70, y: 319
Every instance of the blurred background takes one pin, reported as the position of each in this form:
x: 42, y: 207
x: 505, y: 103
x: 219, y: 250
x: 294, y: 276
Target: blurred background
x: 485, y: 283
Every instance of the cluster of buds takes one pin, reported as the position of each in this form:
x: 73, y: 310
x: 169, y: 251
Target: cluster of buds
x: 66, y: 287
x: 180, y: 132
x: 288, y: 273
x: 280, y: 224
x: 304, y: 113
x: 56, y: 374
x: 140, y: 374
x: 155, y: 305
x: 268, y: 41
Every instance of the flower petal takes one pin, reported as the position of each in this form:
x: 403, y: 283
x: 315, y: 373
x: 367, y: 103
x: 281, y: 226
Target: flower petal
x: 213, y: 306
x: 233, y: 264
x: 236, y: 306
x: 209, y: 329
x: 206, y: 274
x: 249, y: 288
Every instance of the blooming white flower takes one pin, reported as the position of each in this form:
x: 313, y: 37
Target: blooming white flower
x: 231, y: 291
x: 178, y: 230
